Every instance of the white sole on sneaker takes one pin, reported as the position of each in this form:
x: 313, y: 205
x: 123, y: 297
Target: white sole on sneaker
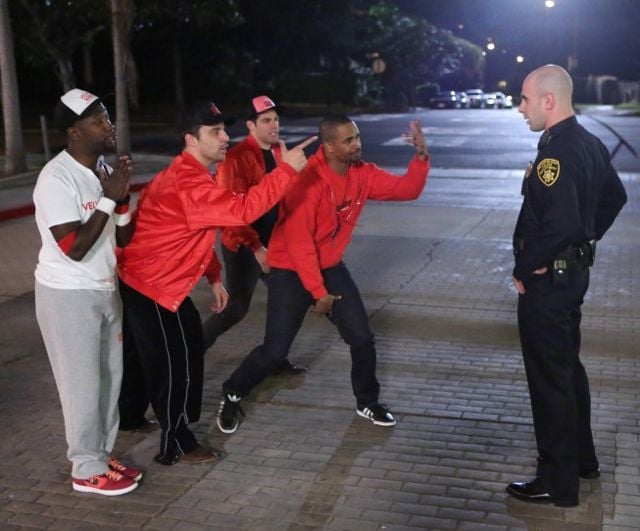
x: 386, y: 423
x: 93, y: 490
x: 227, y: 430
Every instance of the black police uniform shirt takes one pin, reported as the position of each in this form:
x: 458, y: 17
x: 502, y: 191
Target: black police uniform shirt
x: 572, y: 194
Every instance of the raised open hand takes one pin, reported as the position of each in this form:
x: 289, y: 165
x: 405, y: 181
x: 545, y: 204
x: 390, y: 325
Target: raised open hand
x: 415, y: 137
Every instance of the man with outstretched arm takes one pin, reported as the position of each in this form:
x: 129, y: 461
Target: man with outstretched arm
x: 176, y: 219
x: 317, y: 219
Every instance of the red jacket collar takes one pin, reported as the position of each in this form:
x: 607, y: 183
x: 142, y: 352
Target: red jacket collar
x: 190, y: 160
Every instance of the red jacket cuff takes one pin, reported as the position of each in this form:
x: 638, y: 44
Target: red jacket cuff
x: 319, y: 292
x: 287, y: 168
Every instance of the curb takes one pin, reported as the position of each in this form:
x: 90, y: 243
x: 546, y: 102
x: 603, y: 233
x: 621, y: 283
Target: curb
x: 29, y: 208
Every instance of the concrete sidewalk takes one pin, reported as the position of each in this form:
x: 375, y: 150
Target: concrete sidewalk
x: 435, y: 276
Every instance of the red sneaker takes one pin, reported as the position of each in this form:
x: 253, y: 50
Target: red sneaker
x: 126, y: 471
x: 110, y: 483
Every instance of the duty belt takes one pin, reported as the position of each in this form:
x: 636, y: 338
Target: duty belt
x: 583, y: 255
x: 576, y: 257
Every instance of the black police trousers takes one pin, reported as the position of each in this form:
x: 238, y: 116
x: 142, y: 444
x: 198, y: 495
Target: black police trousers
x: 549, y: 324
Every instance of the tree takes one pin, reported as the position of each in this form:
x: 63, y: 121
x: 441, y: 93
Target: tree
x: 417, y: 52
x: 56, y: 29
x: 15, y: 159
x: 186, y: 24
x: 124, y: 69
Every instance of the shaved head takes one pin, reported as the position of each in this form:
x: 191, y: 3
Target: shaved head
x: 329, y: 125
x: 555, y: 80
x: 546, y: 97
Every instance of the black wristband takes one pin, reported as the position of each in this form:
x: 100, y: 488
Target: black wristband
x: 124, y: 201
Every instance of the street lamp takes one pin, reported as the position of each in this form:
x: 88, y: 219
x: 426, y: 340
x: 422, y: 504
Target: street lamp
x: 549, y: 3
x: 519, y: 59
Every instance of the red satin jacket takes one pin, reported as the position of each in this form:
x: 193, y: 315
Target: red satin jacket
x: 176, y: 220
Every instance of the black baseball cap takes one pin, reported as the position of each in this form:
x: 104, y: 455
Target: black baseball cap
x: 203, y: 113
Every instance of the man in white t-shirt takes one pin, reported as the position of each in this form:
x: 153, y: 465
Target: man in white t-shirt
x: 82, y: 211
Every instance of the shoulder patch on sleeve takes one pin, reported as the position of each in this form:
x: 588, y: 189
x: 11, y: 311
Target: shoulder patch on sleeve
x: 548, y: 171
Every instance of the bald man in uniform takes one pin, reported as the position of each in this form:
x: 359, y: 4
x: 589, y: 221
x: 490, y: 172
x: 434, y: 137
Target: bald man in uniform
x: 572, y: 195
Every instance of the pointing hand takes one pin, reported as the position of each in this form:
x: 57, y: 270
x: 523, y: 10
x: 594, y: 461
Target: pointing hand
x: 295, y: 156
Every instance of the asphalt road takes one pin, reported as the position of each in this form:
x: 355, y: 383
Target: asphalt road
x: 463, y: 138
x: 469, y: 138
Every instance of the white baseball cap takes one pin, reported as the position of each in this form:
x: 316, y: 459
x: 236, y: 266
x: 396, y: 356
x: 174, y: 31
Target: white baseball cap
x: 73, y: 106
x: 78, y: 100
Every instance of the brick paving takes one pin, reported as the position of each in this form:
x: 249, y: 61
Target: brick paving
x: 435, y: 276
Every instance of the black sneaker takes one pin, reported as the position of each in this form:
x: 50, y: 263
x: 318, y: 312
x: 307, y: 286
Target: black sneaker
x: 288, y: 367
x: 227, y: 419
x: 378, y: 414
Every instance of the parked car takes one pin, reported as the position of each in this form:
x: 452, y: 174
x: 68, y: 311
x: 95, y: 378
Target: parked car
x: 476, y: 98
x: 508, y: 102
x: 492, y: 100
x: 497, y: 100
x: 448, y: 99
x: 464, y: 100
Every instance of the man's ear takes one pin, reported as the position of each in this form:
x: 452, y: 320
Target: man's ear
x: 549, y: 101
x: 251, y: 126
x: 328, y: 146
x: 190, y: 140
x: 73, y: 133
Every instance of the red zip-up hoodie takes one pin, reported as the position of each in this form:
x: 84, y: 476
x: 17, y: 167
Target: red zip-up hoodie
x: 176, y: 220
x: 319, y: 213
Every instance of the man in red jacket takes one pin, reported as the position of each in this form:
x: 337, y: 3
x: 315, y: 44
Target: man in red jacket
x: 317, y: 218
x: 244, y: 249
x: 172, y: 247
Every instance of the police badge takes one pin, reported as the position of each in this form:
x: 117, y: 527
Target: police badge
x: 548, y: 171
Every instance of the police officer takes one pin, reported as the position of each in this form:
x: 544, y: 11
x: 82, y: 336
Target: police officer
x: 572, y: 195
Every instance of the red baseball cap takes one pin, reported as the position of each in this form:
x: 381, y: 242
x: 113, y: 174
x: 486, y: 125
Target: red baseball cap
x: 262, y: 104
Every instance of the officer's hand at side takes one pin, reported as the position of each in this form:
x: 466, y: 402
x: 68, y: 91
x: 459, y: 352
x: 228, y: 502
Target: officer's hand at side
x: 518, y: 285
x: 295, y: 156
x: 323, y: 306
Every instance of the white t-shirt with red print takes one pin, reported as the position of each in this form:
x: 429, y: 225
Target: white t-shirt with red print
x: 67, y: 191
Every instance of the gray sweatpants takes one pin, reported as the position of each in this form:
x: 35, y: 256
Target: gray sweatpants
x: 82, y: 331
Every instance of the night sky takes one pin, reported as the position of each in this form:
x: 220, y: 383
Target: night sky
x: 605, y: 33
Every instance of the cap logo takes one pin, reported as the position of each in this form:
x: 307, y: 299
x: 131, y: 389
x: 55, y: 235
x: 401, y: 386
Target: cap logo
x: 78, y: 100
x: 214, y: 109
x: 262, y: 103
